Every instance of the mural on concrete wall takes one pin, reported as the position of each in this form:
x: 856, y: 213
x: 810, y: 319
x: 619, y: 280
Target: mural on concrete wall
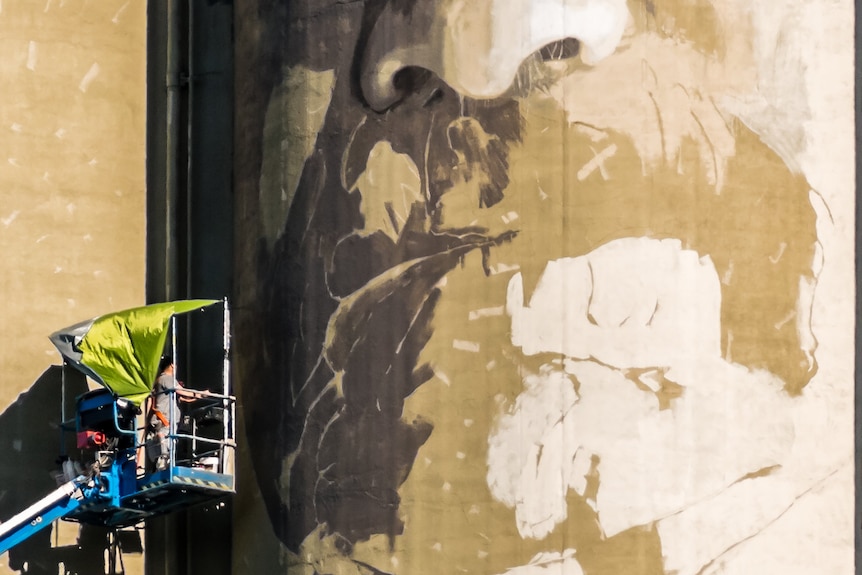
x: 548, y: 286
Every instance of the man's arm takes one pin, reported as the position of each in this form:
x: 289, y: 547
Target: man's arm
x: 187, y: 395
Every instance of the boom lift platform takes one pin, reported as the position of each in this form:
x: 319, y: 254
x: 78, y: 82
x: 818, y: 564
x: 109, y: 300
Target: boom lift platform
x: 114, y: 483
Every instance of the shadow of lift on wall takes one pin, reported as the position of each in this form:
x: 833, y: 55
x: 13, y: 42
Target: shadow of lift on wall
x: 30, y: 443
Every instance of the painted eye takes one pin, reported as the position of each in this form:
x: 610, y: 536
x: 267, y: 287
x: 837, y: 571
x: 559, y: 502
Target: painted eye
x: 560, y: 50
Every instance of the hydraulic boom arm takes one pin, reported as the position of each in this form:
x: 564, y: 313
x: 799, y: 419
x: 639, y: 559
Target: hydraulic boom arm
x: 55, y: 505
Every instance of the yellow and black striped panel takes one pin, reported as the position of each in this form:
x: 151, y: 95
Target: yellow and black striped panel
x: 222, y: 485
x: 153, y: 484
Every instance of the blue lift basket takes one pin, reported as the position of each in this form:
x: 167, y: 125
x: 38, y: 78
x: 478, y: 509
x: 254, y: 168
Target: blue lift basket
x: 118, y: 480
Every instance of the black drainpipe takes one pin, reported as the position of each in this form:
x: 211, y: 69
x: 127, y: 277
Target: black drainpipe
x: 173, y: 85
x: 189, y: 224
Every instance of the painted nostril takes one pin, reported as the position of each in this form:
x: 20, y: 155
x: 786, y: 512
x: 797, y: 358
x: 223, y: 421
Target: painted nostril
x: 560, y: 50
x: 435, y: 96
x: 408, y: 83
x: 410, y: 80
x: 477, y: 47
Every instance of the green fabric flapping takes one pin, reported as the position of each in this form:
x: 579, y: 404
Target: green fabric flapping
x: 124, y: 348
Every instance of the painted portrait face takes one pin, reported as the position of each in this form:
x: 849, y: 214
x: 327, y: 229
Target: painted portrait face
x: 537, y: 280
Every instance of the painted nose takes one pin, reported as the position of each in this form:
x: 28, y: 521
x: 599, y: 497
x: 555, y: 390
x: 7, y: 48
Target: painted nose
x: 477, y: 46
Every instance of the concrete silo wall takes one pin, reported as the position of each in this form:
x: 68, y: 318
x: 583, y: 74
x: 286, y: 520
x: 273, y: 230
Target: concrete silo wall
x: 544, y: 286
x: 72, y: 197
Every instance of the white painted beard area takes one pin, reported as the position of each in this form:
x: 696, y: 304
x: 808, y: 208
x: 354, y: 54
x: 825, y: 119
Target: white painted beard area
x: 631, y: 303
x: 550, y: 563
x: 635, y: 318
x: 651, y: 463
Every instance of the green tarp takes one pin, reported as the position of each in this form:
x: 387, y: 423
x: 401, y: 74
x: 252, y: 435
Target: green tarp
x: 122, y: 350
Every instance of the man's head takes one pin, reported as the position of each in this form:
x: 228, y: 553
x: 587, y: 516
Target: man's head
x: 166, y: 364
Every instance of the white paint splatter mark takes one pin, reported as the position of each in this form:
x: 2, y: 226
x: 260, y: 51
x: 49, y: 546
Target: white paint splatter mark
x: 503, y: 268
x: 7, y: 221
x: 71, y: 207
x: 460, y: 455
x: 427, y: 461
x: 728, y: 274
x: 542, y: 194
x: 118, y: 193
x: 98, y: 273
x: 16, y: 444
x: 594, y: 134
x: 780, y: 323
x: 394, y: 561
x: 93, y: 162
x: 88, y: 238
x: 116, y: 18
x: 40, y: 239
x: 48, y: 6
x: 438, y: 547
x: 468, y: 423
x: 444, y: 378
x: 509, y: 217
x: 481, y: 554
x: 491, y: 365
x: 32, y: 55
x: 651, y: 379
x: 378, y: 404
x: 598, y: 162
x: 60, y: 133
x: 442, y: 283
x: 447, y: 487
x: 15, y: 127
x: 728, y: 356
x: 13, y: 162
x: 474, y: 510
x: 463, y: 345
x: 46, y: 176
x: 486, y: 312
x: 774, y: 259
x: 89, y: 77
x: 550, y: 562
x: 70, y: 302
x: 57, y: 269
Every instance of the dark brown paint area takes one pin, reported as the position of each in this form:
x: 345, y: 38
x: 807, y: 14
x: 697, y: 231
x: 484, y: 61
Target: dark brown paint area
x: 346, y: 316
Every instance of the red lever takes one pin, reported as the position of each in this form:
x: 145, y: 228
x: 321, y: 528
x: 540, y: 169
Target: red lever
x: 91, y: 439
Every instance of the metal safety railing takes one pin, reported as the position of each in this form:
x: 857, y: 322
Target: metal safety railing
x: 207, y: 427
